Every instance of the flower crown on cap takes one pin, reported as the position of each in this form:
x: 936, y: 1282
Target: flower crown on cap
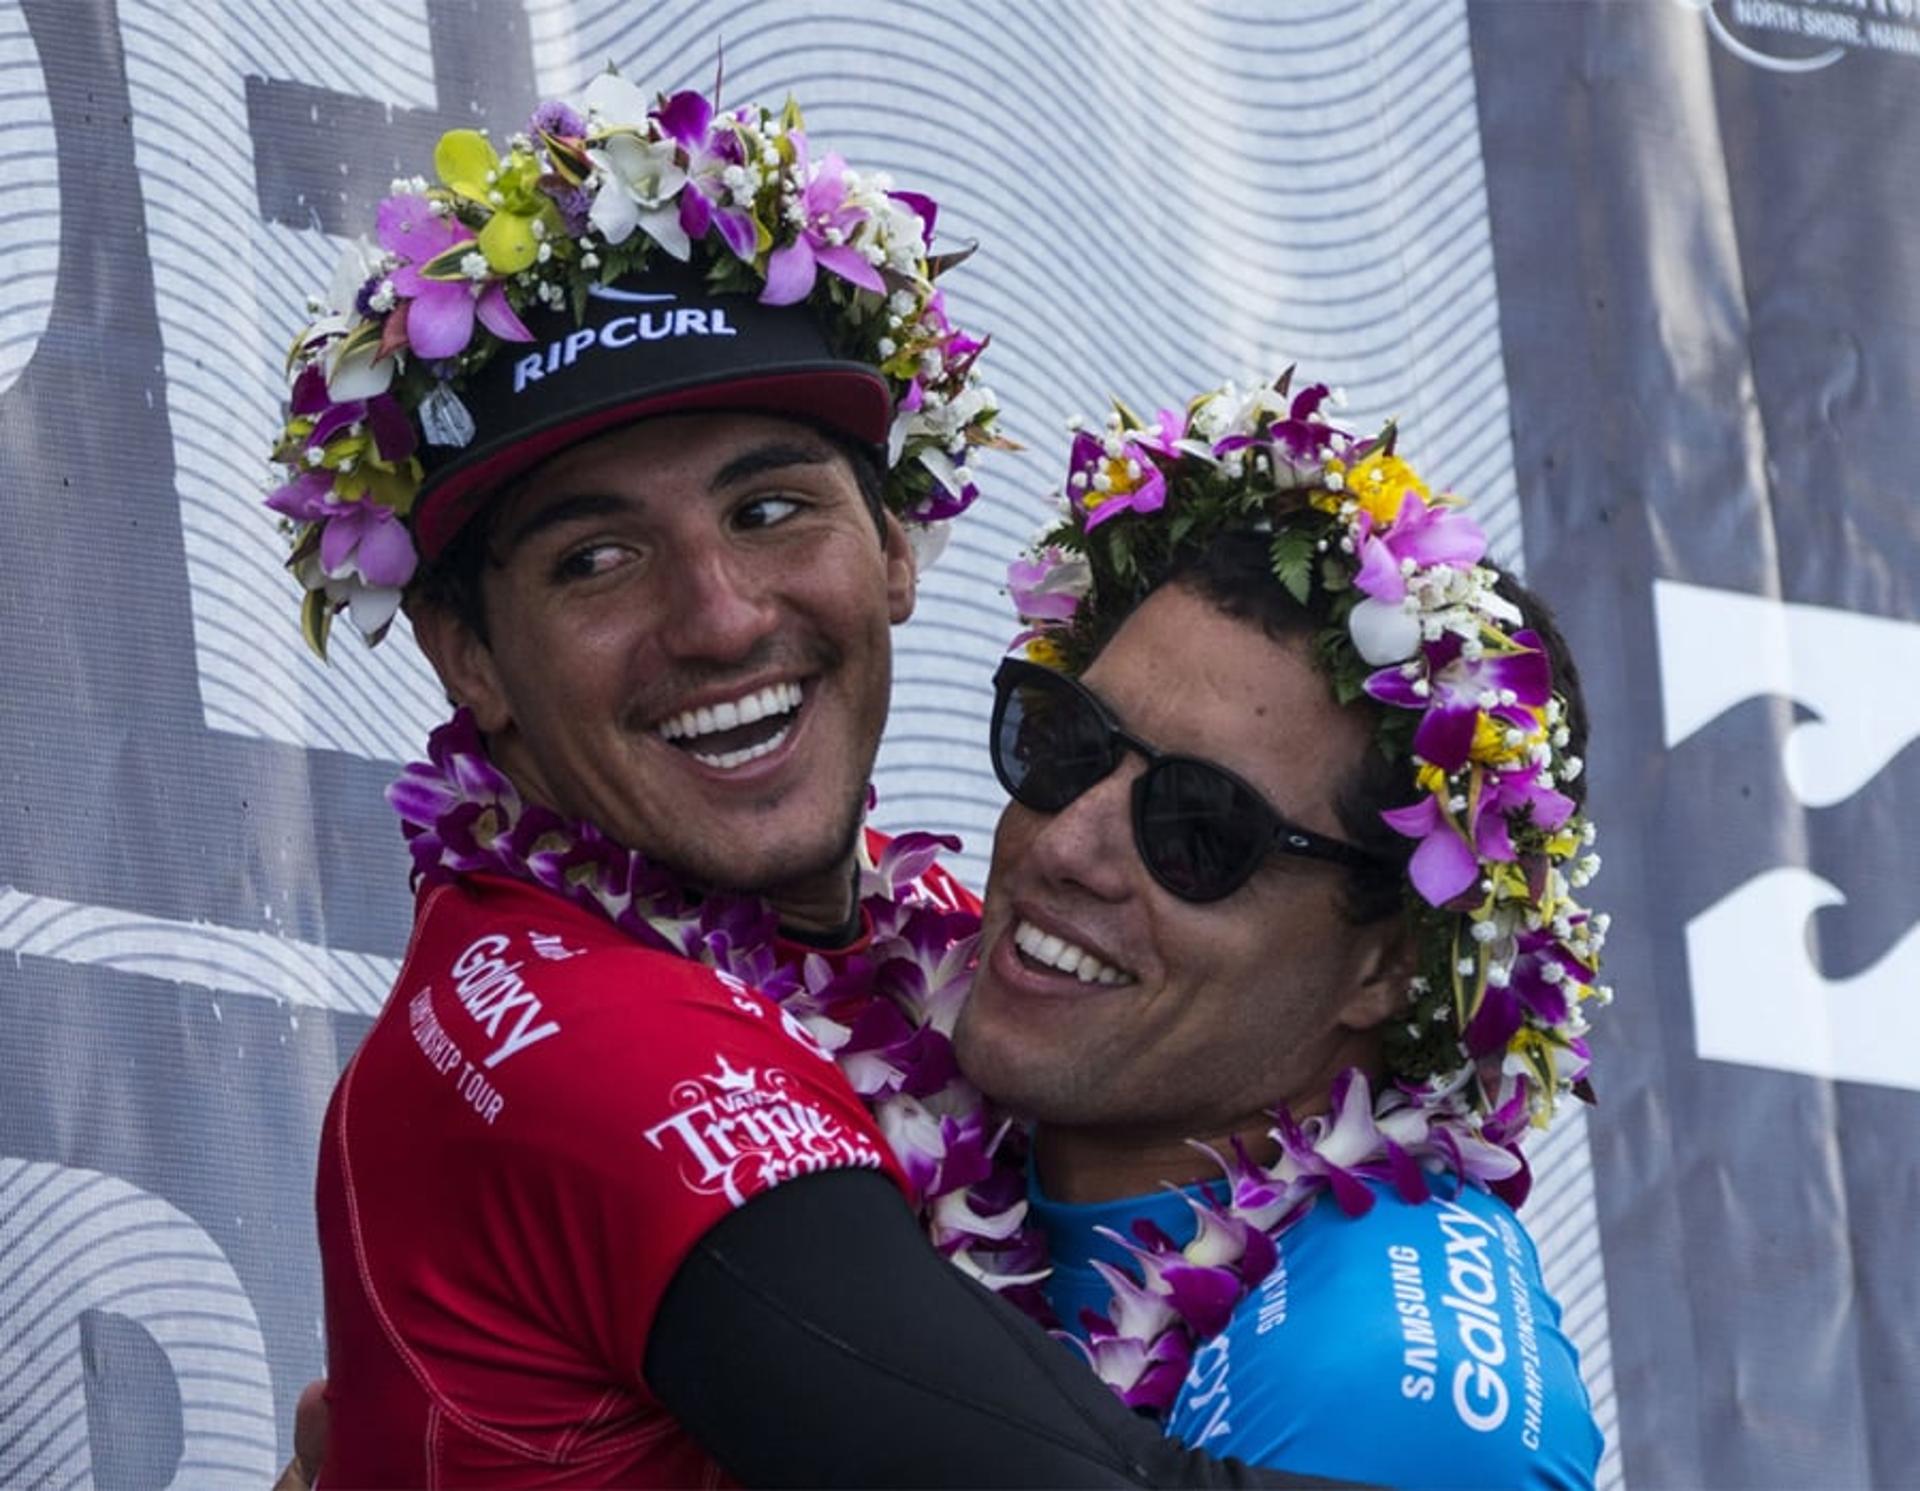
x: 583, y: 198
x: 1413, y: 621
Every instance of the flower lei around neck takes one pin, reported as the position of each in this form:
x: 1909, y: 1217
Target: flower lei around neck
x: 885, y: 1014
x: 1495, y: 1030
x: 582, y: 197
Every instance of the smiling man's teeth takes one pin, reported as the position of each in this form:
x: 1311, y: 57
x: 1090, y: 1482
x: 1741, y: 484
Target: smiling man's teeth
x: 728, y: 759
x: 1057, y: 952
x: 775, y: 699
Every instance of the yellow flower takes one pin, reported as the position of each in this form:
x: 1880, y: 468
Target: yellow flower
x: 509, y: 190
x: 1490, y: 741
x: 1536, y: 1049
x: 1046, y: 652
x: 1379, y: 482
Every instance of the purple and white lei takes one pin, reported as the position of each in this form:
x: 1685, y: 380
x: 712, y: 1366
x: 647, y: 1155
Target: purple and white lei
x: 886, y: 1013
x: 887, y: 1016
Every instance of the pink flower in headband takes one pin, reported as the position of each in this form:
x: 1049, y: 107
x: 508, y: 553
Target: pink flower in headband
x: 822, y: 240
x: 1452, y: 843
x: 1048, y: 587
x: 708, y: 201
x: 440, y: 313
x: 1454, y: 685
x: 362, y: 540
x: 1537, y: 983
x: 1115, y: 473
x: 1420, y: 537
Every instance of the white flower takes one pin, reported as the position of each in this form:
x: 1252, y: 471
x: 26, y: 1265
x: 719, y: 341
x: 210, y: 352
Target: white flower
x: 358, y: 376
x: 615, y: 100
x: 639, y: 179
x: 1382, y: 632
x: 928, y: 542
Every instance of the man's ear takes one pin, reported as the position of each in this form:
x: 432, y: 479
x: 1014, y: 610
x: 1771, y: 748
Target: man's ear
x: 1389, y: 957
x: 463, y: 661
x: 902, y: 572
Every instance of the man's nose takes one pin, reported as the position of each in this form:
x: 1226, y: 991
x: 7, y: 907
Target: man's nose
x: 721, y: 603
x: 1089, y: 842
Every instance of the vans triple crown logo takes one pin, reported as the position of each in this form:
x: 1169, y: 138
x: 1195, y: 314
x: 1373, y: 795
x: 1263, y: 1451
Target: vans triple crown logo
x: 738, y: 1132
x: 667, y: 321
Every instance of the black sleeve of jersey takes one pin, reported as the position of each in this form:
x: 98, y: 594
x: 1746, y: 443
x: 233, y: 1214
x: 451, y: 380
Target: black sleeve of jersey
x: 812, y: 1338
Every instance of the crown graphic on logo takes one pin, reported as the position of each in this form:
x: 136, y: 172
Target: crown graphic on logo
x: 728, y: 1080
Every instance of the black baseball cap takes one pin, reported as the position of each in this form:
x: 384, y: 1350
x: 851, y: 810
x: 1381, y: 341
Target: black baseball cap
x: 658, y: 342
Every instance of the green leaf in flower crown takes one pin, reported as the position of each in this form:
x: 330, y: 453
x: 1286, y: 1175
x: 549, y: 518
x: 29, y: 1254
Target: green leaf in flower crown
x: 939, y: 264
x: 445, y: 265
x: 363, y: 336
x: 1292, y: 556
x: 316, y: 620
x: 306, y: 545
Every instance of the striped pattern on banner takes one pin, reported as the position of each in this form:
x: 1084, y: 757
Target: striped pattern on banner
x: 226, y: 320
x: 76, y: 1246
x: 29, y: 197
x: 223, y: 960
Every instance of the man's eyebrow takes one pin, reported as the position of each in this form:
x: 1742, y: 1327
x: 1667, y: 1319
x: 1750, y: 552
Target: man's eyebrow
x: 775, y: 455
x: 566, y: 510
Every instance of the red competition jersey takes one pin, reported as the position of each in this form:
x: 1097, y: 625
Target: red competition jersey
x: 543, y: 1120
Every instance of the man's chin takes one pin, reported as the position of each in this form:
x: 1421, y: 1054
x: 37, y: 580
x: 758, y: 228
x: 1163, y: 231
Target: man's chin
x: 780, y: 868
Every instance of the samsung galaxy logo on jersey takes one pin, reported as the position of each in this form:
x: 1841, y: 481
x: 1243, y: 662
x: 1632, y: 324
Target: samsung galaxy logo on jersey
x: 665, y: 321
x: 491, y: 990
x: 1473, y: 1295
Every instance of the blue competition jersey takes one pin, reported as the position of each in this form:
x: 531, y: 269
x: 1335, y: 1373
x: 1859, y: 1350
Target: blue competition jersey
x: 1412, y: 1347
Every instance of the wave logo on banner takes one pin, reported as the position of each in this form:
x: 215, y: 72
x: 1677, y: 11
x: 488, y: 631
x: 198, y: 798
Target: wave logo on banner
x: 1760, y: 997
x: 132, y: 1356
x: 1777, y: 34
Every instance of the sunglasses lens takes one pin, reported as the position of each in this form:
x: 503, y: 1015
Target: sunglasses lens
x: 1199, y: 830
x: 1049, y: 744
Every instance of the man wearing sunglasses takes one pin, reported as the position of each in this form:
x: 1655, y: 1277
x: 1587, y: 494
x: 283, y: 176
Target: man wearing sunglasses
x: 1220, y: 894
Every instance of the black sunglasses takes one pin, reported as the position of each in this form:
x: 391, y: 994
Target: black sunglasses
x: 1201, y: 830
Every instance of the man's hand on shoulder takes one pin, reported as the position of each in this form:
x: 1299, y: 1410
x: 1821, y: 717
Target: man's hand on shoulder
x: 309, y: 1439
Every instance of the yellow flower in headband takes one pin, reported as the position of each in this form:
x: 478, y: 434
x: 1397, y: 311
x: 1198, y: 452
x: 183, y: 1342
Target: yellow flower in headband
x: 522, y: 215
x: 1378, y: 482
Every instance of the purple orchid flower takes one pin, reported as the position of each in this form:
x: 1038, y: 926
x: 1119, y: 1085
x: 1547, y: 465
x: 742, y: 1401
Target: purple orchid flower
x: 1447, y: 863
x: 364, y: 540
x: 440, y: 313
x: 1299, y: 440
x: 1457, y: 689
x: 922, y: 207
x: 1144, y: 1374
x: 1532, y: 989
x: 1444, y: 865
x: 687, y: 119
x: 1332, y: 1144
x: 394, y: 435
x: 1135, y: 482
x: 822, y: 241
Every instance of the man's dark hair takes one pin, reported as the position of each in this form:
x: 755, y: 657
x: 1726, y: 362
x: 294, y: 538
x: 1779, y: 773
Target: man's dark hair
x: 1235, y: 574
x: 451, y: 580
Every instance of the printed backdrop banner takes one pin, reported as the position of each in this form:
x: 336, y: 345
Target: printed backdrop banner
x: 1643, y: 279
